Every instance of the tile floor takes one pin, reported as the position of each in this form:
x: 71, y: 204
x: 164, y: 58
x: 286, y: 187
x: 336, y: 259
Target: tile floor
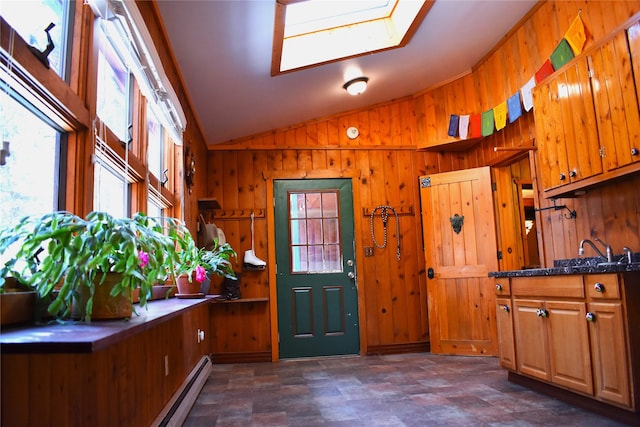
x: 418, y: 389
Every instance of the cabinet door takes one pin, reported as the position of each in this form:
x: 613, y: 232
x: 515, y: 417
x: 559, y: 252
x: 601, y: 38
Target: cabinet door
x: 552, y: 154
x: 616, y: 102
x: 633, y: 35
x: 609, y: 353
x: 566, y: 127
x: 504, y: 318
x: 531, y: 339
x: 569, y: 345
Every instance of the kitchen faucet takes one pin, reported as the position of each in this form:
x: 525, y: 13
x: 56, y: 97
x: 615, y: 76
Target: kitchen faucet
x: 609, y: 255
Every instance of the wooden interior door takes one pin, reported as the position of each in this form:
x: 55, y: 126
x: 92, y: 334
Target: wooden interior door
x: 460, y: 250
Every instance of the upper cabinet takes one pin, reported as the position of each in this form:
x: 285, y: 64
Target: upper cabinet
x: 587, y: 117
x: 616, y: 102
x: 566, y: 132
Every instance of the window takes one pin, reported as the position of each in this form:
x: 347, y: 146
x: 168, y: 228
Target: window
x: 111, y: 190
x: 30, y: 178
x: 155, y: 147
x: 31, y: 27
x: 314, y: 232
x: 113, y: 99
x: 314, y: 32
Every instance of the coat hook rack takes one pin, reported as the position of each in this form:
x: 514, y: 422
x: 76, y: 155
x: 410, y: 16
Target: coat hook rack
x: 572, y: 213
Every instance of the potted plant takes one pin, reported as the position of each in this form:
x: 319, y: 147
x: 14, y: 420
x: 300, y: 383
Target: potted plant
x: 195, y: 265
x: 76, y: 257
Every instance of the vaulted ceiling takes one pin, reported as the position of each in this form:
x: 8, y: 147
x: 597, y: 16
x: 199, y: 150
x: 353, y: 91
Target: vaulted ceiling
x: 223, y: 49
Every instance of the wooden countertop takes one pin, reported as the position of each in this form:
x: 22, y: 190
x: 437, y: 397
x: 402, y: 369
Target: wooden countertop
x: 80, y: 337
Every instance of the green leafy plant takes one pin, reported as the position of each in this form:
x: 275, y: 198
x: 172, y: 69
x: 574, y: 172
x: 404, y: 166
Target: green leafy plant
x: 197, y: 263
x: 62, y: 251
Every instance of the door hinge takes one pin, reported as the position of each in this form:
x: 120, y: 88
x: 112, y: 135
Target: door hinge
x: 425, y: 182
x: 494, y: 186
x: 603, y: 152
x: 499, y: 255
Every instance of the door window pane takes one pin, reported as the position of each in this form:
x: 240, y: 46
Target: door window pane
x: 314, y: 232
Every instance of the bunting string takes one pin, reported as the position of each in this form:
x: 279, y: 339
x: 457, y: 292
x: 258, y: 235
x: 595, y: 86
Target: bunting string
x: 485, y: 123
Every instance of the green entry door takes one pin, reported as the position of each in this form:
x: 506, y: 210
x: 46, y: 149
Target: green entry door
x: 317, y: 294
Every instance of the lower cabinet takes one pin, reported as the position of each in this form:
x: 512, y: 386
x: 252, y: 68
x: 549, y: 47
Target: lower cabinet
x: 570, y: 332
x: 504, y: 320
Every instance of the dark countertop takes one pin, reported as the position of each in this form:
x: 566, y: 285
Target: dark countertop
x: 80, y: 337
x: 583, y: 265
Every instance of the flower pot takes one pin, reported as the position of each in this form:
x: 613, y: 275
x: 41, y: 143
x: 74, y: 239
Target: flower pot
x: 17, y: 307
x: 105, y: 306
x: 188, y: 288
x: 162, y: 292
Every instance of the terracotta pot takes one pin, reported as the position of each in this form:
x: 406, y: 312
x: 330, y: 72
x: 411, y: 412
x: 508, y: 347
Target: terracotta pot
x: 105, y: 307
x: 162, y: 292
x: 17, y: 307
x: 186, y: 287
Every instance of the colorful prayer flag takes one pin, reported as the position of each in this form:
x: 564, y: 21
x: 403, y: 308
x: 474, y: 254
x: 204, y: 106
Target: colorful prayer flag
x: 475, y: 126
x: 487, y: 123
x: 545, y: 71
x: 500, y: 114
x: 576, y: 35
x: 561, y: 55
x: 514, y: 107
x: 453, y: 125
x: 463, y: 127
x: 527, y: 96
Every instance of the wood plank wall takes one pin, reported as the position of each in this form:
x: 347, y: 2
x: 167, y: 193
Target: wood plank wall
x: 387, y: 166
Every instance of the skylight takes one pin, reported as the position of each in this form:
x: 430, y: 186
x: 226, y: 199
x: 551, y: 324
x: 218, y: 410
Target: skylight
x: 314, y: 32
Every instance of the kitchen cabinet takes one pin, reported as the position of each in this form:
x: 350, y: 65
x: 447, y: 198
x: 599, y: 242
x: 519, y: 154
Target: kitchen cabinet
x: 567, y: 137
x: 616, y: 102
x: 587, y: 118
x: 569, y: 331
x: 504, y: 319
x: 608, y: 340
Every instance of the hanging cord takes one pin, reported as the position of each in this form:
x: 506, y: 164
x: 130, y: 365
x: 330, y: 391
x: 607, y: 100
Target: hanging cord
x: 384, y: 214
x: 252, y: 248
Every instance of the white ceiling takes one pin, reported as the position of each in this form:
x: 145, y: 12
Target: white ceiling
x: 223, y: 49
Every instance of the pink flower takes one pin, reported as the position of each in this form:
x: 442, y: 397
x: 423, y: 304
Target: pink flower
x: 144, y: 258
x: 201, y: 273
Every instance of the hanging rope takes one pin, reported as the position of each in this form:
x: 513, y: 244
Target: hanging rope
x: 384, y: 214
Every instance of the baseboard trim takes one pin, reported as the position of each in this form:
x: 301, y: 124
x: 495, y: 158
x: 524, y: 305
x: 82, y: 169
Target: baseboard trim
x: 253, y: 357
x: 178, y: 407
x: 412, y: 347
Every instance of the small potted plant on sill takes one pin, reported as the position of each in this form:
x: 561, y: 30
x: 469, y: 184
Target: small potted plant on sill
x: 195, y: 265
x: 85, y: 259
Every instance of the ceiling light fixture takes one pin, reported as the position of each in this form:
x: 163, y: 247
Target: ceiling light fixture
x: 356, y: 86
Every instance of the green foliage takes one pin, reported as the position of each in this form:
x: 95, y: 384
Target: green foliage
x: 63, y: 251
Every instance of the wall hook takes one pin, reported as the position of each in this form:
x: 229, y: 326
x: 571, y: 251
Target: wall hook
x: 572, y: 213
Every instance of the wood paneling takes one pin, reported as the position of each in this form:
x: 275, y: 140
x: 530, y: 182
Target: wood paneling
x: 384, y: 159
x: 124, y: 384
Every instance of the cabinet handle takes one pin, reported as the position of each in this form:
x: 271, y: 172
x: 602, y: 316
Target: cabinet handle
x: 591, y: 317
x: 634, y: 151
x: 599, y: 287
x: 498, y: 287
x: 562, y: 177
x: 506, y: 308
x: 573, y: 173
x: 541, y: 312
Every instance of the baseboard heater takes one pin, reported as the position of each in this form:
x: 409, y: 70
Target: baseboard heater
x: 178, y: 407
